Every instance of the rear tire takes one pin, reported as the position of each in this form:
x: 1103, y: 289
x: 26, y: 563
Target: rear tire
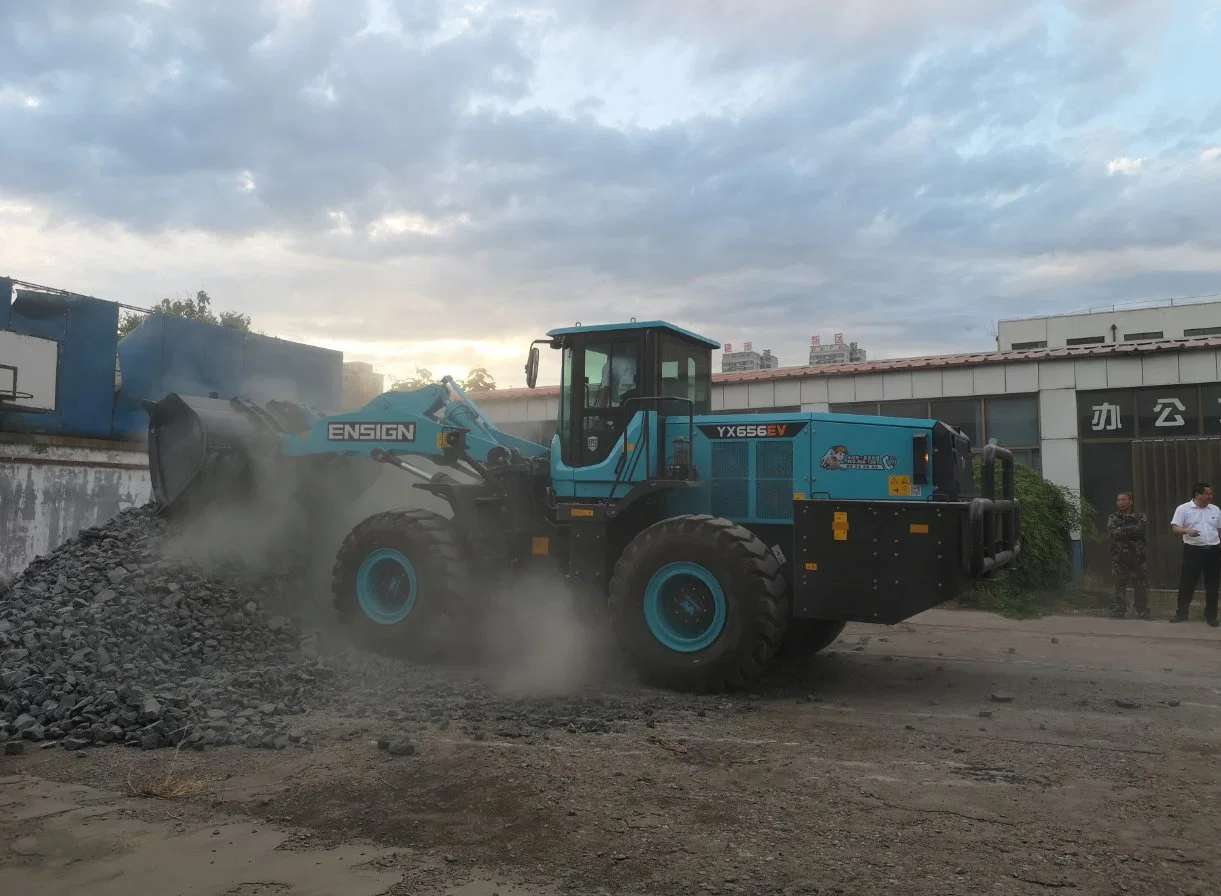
x: 806, y: 637
x: 698, y: 603
x: 400, y: 581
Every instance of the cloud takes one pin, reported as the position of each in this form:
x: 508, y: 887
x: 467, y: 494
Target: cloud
x: 458, y: 178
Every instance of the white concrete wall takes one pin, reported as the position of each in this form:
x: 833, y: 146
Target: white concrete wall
x: 1171, y: 320
x: 50, y: 489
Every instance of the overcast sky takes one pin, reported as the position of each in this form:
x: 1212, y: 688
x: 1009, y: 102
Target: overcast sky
x: 435, y: 183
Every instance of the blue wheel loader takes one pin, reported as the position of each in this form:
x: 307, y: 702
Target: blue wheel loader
x: 711, y: 542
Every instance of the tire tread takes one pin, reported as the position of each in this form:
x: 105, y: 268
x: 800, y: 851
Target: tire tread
x: 754, y: 562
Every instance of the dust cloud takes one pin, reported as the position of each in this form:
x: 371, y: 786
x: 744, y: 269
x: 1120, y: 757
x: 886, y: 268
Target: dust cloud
x: 545, y: 636
x: 534, y: 633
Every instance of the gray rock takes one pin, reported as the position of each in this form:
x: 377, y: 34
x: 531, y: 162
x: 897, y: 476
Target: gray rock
x: 109, y: 640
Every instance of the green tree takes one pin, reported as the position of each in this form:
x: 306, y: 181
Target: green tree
x: 478, y: 380
x: 197, y: 308
x: 1044, y: 572
x: 423, y: 377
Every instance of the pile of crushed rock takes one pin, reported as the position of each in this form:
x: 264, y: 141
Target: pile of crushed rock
x: 110, y: 640
x: 104, y: 641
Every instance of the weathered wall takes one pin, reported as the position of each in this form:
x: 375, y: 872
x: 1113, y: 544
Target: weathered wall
x: 52, y: 487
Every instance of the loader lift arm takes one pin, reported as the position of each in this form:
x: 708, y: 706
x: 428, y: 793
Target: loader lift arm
x: 201, y: 448
x: 436, y: 421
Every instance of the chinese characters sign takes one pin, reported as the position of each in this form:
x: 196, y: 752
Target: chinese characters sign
x: 1159, y: 412
x: 1105, y: 415
x: 1168, y: 412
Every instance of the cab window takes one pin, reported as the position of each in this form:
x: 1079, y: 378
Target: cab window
x: 686, y: 372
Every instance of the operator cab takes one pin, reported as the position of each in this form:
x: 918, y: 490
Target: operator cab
x: 612, y: 371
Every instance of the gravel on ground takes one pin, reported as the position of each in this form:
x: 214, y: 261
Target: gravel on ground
x: 956, y: 753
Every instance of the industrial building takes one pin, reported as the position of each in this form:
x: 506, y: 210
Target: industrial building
x: 1142, y: 416
x: 72, y: 432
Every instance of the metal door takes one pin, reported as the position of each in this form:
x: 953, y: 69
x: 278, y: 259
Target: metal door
x: 1164, y: 472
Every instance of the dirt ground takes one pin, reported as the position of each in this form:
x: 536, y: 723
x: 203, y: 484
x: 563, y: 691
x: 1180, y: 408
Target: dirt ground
x: 957, y: 753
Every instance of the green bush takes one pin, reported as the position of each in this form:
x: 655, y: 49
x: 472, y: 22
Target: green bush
x: 1049, y: 514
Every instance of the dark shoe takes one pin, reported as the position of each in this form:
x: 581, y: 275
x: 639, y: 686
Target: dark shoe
x: 1212, y: 622
x: 1177, y: 618
x: 1143, y: 613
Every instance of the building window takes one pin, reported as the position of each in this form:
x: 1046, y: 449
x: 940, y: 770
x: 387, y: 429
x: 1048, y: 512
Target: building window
x: 964, y: 413
x: 867, y: 408
x: 917, y: 410
x: 1013, y: 420
x: 1201, y: 331
x: 782, y: 409
x: 1085, y: 340
x: 1136, y: 337
x: 1022, y: 346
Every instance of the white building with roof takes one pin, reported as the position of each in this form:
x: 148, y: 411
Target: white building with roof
x: 1113, y: 325
x: 1141, y: 416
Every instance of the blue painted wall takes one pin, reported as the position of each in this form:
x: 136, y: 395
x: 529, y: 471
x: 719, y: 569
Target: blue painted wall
x: 164, y: 354
x: 85, y: 383
x: 169, y: 354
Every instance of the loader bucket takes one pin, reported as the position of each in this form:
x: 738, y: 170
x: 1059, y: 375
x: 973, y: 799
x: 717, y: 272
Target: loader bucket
x: 201, y: 450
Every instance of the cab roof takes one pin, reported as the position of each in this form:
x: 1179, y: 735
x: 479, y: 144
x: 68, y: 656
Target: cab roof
x: 635, y: 325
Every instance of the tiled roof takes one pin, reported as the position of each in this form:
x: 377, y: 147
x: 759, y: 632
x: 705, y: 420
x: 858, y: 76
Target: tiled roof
x: 928, y: 362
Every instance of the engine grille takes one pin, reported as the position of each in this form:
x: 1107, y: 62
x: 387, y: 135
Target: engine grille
x: 753, y: 480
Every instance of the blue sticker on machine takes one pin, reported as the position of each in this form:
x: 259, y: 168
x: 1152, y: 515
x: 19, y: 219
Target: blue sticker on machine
x: 838, y: 458
x: 753, y: 430
x: 370, y: 432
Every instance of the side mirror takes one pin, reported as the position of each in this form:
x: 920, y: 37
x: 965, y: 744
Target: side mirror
x: 532, y: 367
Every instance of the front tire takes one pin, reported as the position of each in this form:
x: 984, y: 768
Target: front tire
x: 698, y: 603
x: 401, y: 583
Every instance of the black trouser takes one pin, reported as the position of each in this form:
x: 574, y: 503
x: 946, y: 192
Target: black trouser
x: 1200, y: 559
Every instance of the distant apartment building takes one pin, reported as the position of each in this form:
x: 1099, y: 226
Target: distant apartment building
x: 837, y: 352
x: 747, y: 359
x: 1116, y: 324
x: 360, y: 384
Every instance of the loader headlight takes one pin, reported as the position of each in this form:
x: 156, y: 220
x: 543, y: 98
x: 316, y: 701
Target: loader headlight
x: 920, y: 458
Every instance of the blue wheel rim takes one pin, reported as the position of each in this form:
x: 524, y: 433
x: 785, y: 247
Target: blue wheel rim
x: 684, y: 606
x: 386, y: 586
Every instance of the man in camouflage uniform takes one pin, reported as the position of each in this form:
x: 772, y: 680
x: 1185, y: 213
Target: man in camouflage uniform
x: 1128, y: 556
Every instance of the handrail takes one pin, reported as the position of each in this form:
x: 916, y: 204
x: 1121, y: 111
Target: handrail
x: 645, y: 449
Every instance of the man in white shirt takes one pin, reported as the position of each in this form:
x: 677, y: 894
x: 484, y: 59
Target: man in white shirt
x: 1198, y: 522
